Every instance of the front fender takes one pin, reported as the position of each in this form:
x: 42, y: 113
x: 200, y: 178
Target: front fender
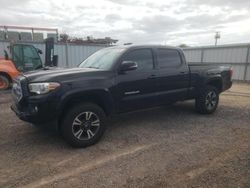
x: 99, y: 94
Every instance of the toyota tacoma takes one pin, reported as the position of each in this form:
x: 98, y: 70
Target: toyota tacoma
x: 111, y: 81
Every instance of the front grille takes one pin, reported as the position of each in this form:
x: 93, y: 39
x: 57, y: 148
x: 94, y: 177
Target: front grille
x: 17, y: 92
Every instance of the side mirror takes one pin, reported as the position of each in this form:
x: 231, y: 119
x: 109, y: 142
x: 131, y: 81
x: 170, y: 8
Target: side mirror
x: 128, y: 66
x: 39, y: 51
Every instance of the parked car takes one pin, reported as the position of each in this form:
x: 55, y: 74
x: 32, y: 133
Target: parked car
x: 115, y: 80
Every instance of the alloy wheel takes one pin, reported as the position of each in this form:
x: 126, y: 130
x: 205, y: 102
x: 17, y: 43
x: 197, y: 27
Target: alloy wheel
x: 211, y: 100
x: 85, y: 125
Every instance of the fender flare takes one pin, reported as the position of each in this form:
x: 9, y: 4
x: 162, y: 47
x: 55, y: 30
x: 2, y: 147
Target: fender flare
x: 217, y: 79
x: 103, y: 95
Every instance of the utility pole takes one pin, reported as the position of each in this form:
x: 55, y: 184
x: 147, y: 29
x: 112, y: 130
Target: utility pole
x: 216, y: 37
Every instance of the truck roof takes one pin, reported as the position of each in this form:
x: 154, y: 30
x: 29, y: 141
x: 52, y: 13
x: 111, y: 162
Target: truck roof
x: 145, y: 46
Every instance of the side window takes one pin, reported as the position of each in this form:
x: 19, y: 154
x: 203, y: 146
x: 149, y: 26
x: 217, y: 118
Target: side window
x: 143, y: 58
x: 168, y: 58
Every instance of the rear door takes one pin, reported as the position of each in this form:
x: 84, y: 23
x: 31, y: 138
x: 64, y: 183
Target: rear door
x: 172, y: 77
x: 136, y: 89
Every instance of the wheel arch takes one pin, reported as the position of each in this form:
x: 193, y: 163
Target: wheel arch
x: 99, y: 97
x: 216, y: 82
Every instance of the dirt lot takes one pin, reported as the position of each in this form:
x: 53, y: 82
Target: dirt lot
x: 163, y: 147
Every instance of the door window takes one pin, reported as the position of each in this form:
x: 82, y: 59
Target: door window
x: 168, y: 58
x: 143, y: 58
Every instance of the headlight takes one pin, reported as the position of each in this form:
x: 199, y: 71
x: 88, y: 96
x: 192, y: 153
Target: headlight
x: 42, y: 88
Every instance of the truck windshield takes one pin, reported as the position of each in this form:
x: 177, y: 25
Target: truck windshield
x: 102, y: 59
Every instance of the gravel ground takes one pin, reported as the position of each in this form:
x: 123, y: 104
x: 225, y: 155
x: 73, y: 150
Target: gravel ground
x: 163, y: 147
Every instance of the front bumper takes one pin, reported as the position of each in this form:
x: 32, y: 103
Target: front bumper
x: 22, y: 115
x: 36, y: 112
x: 36, y: 119
x: 35, y: 109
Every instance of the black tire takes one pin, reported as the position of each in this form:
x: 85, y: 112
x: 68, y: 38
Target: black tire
x: 4, y: 82
x: 85, y: 132
x: 207, y: 101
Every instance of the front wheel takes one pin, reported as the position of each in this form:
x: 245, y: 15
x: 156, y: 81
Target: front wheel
x: 207, y: 101
x: 83, y: 125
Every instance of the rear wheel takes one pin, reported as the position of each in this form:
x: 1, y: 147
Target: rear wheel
x: 4, y: 82
x: 207, y: 101
x: 83, y: 125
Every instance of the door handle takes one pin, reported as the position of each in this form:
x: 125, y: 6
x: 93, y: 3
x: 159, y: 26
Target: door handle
x: 182, y: 72
x: 153, y: 76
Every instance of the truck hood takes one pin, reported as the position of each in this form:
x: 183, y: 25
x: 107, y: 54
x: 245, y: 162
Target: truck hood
x: 57, y: 74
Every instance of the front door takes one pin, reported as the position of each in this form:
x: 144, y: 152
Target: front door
x: 136, y: 89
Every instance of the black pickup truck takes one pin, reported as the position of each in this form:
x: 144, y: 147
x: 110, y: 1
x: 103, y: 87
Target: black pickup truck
x: 111, y: 81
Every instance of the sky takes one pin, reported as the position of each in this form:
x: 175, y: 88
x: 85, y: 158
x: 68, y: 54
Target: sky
x: 170, y: 22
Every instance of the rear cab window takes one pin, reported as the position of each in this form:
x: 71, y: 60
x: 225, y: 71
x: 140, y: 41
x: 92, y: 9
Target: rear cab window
x: 168, y: 58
